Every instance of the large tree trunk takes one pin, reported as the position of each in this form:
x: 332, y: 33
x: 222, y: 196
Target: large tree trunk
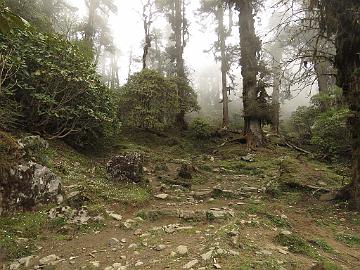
x: 224, y: 65
x: 250, y: 46
x: 322, y: 73
x: 348, y: 65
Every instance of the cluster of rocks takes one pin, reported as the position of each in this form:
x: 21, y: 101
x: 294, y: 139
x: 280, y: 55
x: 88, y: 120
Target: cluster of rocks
x: 79, y: 216
x: 28, y: 184
x: 48, y: 261
x: 189, y: 215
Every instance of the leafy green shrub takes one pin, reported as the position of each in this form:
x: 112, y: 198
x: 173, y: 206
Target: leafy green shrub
x: 330, y: 133
x: 201, y: 129
x: 323, y: 125
x: 301, y: 122
x: 148, y: 101
x: 57, y: 88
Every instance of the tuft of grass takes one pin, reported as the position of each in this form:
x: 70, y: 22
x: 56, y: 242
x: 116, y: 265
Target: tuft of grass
x: 297, y: 245
x: 330, y: 266
x: 278, y: 221
x: 349, y: 239
x: 322, y: 244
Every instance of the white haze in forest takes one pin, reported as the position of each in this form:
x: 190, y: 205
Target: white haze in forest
x: 127, y: 31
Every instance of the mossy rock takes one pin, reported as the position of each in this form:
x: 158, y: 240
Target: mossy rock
x: 9, y: 152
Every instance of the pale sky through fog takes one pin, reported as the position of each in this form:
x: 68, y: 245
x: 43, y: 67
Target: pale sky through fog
x: 127, y: 31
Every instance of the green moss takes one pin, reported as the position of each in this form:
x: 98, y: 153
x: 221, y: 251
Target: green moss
x: 18, y: 233
x: 9, y: 152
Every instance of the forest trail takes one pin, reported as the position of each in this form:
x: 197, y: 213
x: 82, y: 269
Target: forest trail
x: 234, y: 216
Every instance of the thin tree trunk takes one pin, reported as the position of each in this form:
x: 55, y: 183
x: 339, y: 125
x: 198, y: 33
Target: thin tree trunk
x: 277, y: 57
x: 224, y: 65
x: 180, y: 68
x: 130, y: 62
x: 89, y: 31
x: 250, y: 46
x: 147, y: 25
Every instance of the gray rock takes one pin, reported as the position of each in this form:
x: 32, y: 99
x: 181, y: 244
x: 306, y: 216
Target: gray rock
x: 26, y: 261
x: 207, y: 256
x: 29, y: 185
x: 160, y: 247
x: 285, y: 232
x: 127, y: 167
x: 162, y: 196
x: 95, y: 264
x: 76, y: 199
x: 182, y: 250
x: 14, y: 266
x: 118, y: 266
x: 139, y: 263
x: 190, y: 264
x: 234, y: 253
x: 49, y: 260
x: 220, y: 214
x: 186, y: 171
x: 133, y: 246
x: 248, y: 158
x: 116, y: 216
x: 113, y: 242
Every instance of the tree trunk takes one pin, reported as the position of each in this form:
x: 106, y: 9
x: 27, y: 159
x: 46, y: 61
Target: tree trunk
x: 348, y: 65
x: 180, y: 68
x: 277, y: 55
x: 275, y: 119
x: 89, y: 31
x: 147, y: 24
x: 224, y: 65
x: 130, y: 62
x: 250, y: 47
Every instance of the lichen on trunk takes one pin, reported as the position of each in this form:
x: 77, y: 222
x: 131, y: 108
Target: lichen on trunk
x: 250, y: 47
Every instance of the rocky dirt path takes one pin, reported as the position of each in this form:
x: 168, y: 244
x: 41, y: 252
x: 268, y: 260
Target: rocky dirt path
x: 225, y: 220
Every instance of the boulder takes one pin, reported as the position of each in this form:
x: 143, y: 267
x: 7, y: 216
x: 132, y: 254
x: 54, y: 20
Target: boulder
x: 27, y: 185
x: 126, y: 168
x: 186, y: 171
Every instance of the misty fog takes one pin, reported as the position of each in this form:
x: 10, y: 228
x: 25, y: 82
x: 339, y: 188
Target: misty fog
x: 127, y: 31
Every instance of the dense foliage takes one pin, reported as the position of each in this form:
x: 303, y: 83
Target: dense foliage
x: 201, y: 129
x: 55, y: 89
x: 323, y: 125
x: 149, y: 101
x: 188, y: 98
